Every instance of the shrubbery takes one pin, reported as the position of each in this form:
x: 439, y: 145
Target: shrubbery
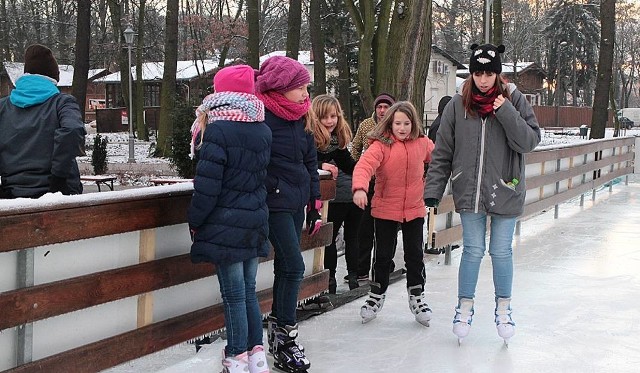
x: 99, y: 155
x: 182, y: 117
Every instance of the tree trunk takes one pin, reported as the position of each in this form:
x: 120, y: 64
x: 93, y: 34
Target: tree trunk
x: 363, y: 17
x: 253, y: 44
x: 605, y: 65
x: 317, y: 48
x: 141, y: 128
x: 293, y: 30
x: 4, y: 35
x: 116, y: 15
x: 410, y: 33
x: 168, y: 90
x: 81, y: 63
x: 497, y: 22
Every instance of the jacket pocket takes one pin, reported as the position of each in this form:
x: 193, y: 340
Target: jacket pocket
x: 506, y: 199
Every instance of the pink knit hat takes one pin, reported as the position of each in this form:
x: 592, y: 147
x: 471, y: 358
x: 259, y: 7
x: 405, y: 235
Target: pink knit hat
x: 281, y: 74
x: 236, y: 78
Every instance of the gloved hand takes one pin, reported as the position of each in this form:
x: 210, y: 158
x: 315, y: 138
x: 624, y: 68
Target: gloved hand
x: 431, y: 202
x: 192, y: 233
x: 58, y: 184
x: 313, y: 216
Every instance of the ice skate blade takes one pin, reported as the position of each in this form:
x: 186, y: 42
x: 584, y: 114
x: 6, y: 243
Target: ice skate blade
x: 367, y: 319
x: 459, y: 342
x: 278, y: 368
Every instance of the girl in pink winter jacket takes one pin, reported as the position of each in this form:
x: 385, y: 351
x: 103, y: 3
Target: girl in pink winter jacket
x: 397, y: 156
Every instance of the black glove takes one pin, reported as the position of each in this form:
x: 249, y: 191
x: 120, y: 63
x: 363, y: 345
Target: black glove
x: 58, y: 184
x: 431, y: 202
x: 314, y: 220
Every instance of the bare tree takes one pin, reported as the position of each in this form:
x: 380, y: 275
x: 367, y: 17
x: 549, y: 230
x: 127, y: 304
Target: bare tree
x: 253, y: 43
x: 605, y: 65
x: 293, y: 30
x: 168, y: 90
x: 81, y: 64
x: 317, y: 48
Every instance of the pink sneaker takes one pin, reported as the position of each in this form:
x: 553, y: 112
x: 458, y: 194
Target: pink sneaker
x: 235, y: 364
x: 258, y: 360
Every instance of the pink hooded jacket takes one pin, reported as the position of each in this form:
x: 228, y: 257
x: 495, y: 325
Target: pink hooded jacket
x: 399, y: 170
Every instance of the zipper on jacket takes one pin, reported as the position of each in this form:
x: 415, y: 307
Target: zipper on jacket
x: 483, y: 123
x: 406, y: 180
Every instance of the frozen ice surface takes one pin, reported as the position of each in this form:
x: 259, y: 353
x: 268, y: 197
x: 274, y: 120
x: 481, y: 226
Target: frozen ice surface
x: 575, y: 303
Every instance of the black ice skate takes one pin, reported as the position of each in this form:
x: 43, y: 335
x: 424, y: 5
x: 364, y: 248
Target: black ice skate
x: 286, y: 353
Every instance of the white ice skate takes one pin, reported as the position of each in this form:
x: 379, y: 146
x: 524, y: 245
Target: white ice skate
x: 258, y: 360
x: 418, y: 306
x: 463, y: 318
x: 235, y: 364
x: 505, y: 325
x: 371, y: 307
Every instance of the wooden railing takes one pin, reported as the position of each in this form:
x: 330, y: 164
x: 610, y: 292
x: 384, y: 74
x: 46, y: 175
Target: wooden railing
x: 553, y: 175
x: 88, y: 282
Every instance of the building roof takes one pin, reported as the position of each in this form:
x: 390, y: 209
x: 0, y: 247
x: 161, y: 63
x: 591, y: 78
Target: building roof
x: 304, y: 57
x: 16, y: 69
x: 186, y: 70
x: 446, y: 55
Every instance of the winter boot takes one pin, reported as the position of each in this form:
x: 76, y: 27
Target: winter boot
x: 371, y: 306
x: 462, y: 319
x: 258, y: 360
x: 418, y: 306
x: 286, y: 352
x: 333, y: 285
x: 352, y: 279
x: 235, y: 364
x: 505, y: 325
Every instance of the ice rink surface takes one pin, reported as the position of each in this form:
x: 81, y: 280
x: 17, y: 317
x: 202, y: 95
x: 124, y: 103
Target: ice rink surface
x: 576, y: 304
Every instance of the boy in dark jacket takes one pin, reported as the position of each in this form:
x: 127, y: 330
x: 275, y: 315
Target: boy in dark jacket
x: 42, y: 132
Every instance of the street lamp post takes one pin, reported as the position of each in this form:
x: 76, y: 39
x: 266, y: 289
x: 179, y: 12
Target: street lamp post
x: 561, y: 46
x: 128, y: 38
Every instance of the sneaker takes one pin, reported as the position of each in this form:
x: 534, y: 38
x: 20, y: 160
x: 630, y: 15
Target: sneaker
x: 418, y: 305
x: 235, y: 364
x: 258, y: 360
x: 505, y: 325
x: 463, y: 318
x: 371, y: 307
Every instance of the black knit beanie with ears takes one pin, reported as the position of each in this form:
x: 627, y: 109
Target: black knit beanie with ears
x: 486, y: 58
x: 39, y: 59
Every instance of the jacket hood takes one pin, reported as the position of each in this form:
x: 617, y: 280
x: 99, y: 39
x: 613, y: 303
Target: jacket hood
x: 33, y: 89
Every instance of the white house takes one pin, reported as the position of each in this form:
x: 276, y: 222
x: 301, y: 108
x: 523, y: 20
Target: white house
x: 441, y: 81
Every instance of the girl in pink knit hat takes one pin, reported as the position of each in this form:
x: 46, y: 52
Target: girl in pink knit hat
x: 292, y: 183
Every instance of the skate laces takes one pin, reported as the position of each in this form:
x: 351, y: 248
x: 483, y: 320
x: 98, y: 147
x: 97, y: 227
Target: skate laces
x: 418, y: 303
x: 464, y: 313
x: 374, y: 302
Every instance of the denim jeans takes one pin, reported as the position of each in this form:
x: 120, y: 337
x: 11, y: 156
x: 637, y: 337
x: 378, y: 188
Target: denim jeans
x: 474, y: 227
x: 242, y: 316
x: 285, y: 229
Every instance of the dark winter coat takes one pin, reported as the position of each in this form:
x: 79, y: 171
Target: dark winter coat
x: 228, y: 209
x: 483, y: 155
x: 41, y: 133
x: 292, y: 175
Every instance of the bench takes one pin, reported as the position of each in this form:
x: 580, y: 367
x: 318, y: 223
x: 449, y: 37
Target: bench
x: 169, y: 181
x: 100, y: 179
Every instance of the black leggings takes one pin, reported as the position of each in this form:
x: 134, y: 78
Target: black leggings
x: 385, y: 249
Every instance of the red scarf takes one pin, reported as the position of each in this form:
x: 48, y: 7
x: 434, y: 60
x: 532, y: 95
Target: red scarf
x: 282, y: 107
x: 483, y: 102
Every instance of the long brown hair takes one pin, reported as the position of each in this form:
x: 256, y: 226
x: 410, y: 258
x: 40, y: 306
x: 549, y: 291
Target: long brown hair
x: 467, y: 92
x: 322, y: 106
x: 383, y: 130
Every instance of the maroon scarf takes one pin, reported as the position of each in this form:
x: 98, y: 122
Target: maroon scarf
x: 282, y: 107
x: 483, y: 102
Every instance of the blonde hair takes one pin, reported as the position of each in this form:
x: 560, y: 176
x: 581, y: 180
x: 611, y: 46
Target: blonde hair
x: 383, y: 128
x: 322, y: 106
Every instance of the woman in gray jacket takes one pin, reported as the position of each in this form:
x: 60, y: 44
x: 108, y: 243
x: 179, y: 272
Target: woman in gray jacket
x: 483, y: 135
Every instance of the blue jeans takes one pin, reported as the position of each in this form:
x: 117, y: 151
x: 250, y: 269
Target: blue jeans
x: 242, y: 316
x: 474, y: 227
x: 285, y: 229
